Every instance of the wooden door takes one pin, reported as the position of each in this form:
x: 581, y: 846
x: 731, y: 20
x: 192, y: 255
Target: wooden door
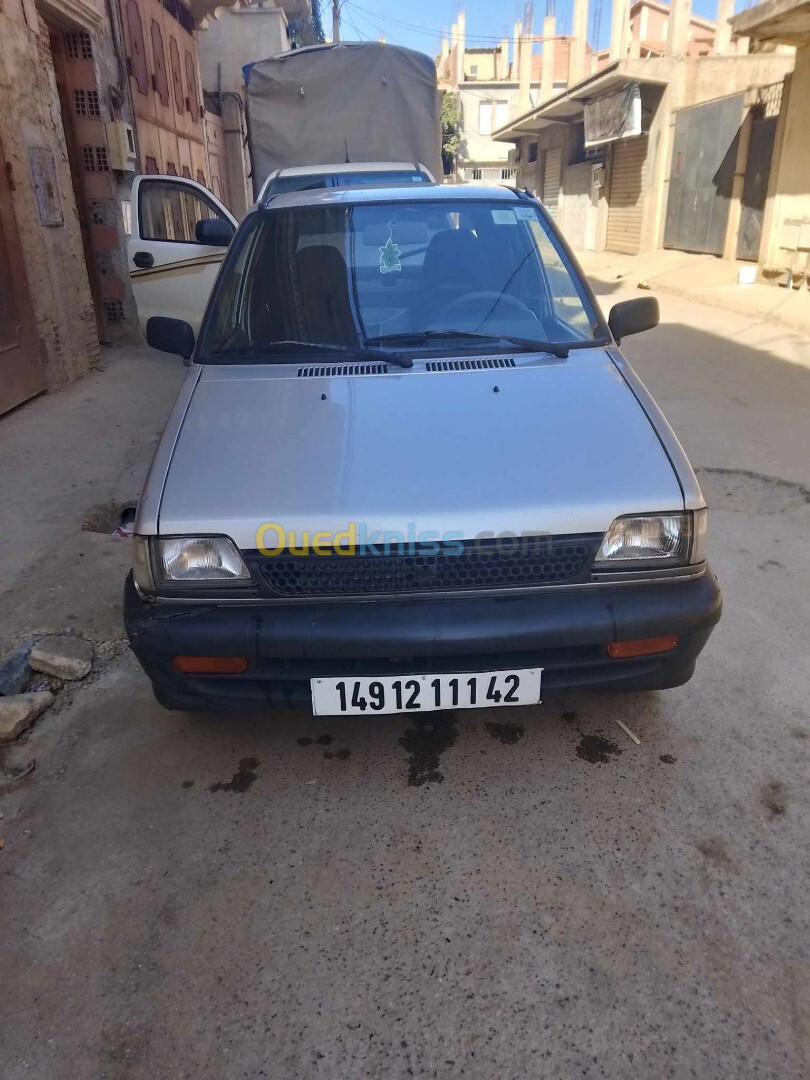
x: 21, y: 371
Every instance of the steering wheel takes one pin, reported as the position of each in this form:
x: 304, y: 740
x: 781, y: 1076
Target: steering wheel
x: 479, y: 307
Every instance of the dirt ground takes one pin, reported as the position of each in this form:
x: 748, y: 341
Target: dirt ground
x: 494, y: 894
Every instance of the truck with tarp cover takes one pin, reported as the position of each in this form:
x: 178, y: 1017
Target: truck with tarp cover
x: 342, y: 103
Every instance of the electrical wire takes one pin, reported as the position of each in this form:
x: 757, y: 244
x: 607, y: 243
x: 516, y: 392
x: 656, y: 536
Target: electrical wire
x: 425, y: 29
x: 376, y: 30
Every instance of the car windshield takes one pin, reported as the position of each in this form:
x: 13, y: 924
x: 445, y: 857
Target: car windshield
x: 448, y: 277
x: 313, y: 181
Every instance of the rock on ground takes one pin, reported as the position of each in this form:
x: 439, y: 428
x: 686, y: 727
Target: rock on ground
x: 19, y: 710
x: 64, y: 657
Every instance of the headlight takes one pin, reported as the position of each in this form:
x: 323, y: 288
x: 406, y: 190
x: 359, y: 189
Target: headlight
x: 198, y: 559
x: 671, y: 538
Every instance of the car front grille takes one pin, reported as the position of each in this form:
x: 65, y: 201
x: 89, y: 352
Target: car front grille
x: 465, y: 566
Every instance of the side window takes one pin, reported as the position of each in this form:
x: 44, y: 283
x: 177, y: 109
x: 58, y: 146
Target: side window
x: 171, y: 212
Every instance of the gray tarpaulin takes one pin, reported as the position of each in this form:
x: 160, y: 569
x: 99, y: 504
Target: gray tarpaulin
x: 307, y: 107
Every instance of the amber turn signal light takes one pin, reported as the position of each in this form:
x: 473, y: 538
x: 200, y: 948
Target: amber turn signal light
x: 642, y: 646
x: 210, y: 665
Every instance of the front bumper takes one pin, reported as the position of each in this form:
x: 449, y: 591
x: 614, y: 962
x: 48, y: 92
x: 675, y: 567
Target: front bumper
x: 566, y: 631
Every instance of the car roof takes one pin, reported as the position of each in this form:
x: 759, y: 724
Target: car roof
x: 393, y: 193
x: 348, y: 167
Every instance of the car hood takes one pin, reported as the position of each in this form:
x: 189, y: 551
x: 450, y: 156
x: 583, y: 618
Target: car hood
x: 548, y: 446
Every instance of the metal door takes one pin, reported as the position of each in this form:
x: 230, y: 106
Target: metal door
x: 704, y: 157
x: 755, y: 184
x: 552, y: 180
x: 628, y: 182
x: 581, y: 207
x: 21, y: 371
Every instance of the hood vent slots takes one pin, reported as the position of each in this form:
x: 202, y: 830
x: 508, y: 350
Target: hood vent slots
x: 470, y: 365
x: 323, y: 371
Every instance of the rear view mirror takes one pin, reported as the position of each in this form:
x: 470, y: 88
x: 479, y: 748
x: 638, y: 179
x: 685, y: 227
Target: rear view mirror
x: 216, y: 232
x: 633, y: 316
x: 170, y: 335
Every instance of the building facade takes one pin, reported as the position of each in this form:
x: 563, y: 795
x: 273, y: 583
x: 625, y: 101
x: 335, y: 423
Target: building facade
x: 61, y: 283
x: 657, y: 151
x: 93, y: 92
x: 784, y: 254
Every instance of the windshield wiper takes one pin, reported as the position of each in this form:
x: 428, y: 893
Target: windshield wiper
x: 319, y: 346
x: 416, y: 337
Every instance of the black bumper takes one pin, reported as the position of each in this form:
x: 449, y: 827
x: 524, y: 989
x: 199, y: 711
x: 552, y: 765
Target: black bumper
x: 566, y: 631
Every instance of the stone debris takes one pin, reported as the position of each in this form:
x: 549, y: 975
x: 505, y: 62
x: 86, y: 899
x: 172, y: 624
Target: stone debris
x: 65, y: 657
x: 18, y: 711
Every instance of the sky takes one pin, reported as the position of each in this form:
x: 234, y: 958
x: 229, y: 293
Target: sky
x: 419, y: 24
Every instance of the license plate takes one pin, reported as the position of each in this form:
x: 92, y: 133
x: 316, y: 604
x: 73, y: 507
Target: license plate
x: 425, y: 693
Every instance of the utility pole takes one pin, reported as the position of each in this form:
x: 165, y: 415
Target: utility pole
x: 335, y: 20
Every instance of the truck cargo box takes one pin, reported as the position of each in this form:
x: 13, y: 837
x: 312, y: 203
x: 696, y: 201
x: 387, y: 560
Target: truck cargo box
x: 326, y: 104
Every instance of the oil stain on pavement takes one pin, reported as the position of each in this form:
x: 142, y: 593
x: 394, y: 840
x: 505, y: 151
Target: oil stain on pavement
x: 508, y: 734
x: 425, y: 745
x: 241, y: 779
x: 597, y: 750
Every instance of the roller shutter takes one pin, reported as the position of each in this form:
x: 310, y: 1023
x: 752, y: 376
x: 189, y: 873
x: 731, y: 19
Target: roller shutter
x: 626, y: 198
x: 552, y: 180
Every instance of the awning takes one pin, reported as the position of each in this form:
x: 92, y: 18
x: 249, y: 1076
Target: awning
x: 569, y: 106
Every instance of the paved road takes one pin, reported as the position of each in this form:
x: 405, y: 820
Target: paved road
x: 521, y: 895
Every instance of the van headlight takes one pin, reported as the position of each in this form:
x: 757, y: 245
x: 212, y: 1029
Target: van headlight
x: 187, y: 560
x: 673, y: 538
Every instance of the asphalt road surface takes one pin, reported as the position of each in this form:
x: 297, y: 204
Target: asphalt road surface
x: 493, y: 894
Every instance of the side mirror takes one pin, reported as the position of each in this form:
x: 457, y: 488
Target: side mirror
x: 633, y: 316
x: 170, y: 335
x: 216, y: 232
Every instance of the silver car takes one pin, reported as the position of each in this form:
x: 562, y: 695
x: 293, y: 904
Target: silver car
x: 410, y: 469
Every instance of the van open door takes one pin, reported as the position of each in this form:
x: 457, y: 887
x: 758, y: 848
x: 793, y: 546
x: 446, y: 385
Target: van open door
x: 172, y: 273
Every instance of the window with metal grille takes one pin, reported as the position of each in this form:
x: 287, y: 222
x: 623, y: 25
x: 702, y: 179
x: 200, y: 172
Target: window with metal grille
x: 78, y: 45
x: 114, y: 311
x: 44, y: 44
x: 86, y: 103
x: 94, y: 159
x: 508, y: 174
x: 476, y: 174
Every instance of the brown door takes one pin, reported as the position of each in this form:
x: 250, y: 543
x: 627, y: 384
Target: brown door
x: 21, y: 371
